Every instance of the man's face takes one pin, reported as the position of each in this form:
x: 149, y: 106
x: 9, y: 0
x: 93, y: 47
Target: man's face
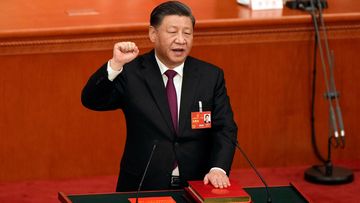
x: 172, y: 39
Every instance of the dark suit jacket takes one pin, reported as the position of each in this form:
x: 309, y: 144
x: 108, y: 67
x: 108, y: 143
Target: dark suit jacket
x: 140, y: 92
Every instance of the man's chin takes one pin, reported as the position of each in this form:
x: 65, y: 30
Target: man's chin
x: 178, y: 62
x: 178, y: 59
x: 175, y: 60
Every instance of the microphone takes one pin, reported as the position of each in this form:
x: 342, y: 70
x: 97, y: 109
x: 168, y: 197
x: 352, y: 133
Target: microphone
x: 337, y: 105
x: 334, y: 124
x: 145, y: 171
x: 328, y: 174
x: 341, y: 124
x: 332, y: 94
x: 236, y: 144
x: 268, y: 196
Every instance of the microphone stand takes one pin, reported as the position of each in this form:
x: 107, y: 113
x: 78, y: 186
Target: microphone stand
x: 327, y: 173
x: 145, y: 171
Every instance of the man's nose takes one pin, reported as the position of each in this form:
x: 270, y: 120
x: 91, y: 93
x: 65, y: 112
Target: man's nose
x: 180, y: 39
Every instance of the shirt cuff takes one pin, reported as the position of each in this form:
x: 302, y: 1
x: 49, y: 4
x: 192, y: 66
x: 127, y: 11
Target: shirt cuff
x: 217, y: 168
x: 112, y: 74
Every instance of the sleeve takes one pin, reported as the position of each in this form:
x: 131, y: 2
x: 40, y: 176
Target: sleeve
x: 112, y: 74
x: 100, y: 93
x: 224, y: 128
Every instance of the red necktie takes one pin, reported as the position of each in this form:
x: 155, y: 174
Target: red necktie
x: 171, y: 96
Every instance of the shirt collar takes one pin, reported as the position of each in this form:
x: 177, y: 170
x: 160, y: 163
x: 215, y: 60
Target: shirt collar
x: 179, y: 69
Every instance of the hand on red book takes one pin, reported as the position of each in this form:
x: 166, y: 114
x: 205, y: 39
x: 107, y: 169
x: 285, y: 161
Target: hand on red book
x: 201, y: 193
x: 217, y: 178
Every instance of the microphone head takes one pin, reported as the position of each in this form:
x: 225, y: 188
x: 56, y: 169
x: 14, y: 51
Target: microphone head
x: 155, y: 143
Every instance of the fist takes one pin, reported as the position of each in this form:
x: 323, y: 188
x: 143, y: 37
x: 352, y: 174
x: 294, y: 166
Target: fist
x: 123, y: 53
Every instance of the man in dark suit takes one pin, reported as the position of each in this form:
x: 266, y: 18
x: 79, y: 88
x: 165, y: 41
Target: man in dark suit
x: 162, y: 94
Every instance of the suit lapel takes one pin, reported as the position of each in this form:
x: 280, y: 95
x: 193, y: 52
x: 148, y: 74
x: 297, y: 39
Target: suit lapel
x: 189, y: 88
x: 153, y: 78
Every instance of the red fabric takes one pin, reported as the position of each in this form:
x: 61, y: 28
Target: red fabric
x: 45, y: 191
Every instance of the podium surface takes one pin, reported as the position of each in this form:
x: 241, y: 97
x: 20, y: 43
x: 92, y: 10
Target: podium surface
x: 279, y: 194
x: 48, y: 50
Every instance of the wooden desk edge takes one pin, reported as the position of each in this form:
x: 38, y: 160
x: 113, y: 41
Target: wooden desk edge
x: 299, y: 191
x: 63, y: 198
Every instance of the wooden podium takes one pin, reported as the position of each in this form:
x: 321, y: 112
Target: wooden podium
x: 279, y: 194
x: 48, y: 50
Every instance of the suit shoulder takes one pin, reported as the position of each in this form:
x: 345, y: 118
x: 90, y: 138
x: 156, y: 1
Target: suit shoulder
x: 203, y: 65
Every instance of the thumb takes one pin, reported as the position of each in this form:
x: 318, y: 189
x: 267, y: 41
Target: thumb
x: 206, y: 179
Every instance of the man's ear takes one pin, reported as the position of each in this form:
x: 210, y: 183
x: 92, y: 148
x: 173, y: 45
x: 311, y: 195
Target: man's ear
x: 152, y: 34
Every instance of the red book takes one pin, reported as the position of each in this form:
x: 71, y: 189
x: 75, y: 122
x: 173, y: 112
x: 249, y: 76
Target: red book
x: 209, y: 194
x: 166, y: 199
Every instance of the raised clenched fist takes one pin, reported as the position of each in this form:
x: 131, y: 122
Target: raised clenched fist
x: 123, y: 53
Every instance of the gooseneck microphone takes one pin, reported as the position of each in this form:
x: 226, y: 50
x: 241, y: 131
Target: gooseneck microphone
x: 326, y: 173
x: 145, y: 171
x: 236, y: 144
x: 268, y: 196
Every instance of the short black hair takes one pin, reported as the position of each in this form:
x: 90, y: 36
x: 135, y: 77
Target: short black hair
x: 170, y: 8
